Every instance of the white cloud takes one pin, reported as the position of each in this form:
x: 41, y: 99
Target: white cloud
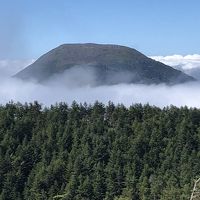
x: 190, y: 64
x: 60, y: 89
x: 159, y: 95
x: 182, y: 62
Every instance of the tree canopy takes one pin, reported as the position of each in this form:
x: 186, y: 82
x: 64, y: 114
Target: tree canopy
x: 98, y: 152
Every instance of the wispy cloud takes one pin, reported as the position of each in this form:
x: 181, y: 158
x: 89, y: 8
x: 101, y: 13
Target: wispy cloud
x: 11, y: 67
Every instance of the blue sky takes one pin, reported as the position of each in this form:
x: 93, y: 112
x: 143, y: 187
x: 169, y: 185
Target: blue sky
x: 29, y: 28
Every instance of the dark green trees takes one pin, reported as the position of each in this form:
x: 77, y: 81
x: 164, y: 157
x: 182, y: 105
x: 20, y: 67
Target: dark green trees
x: 98, y: 152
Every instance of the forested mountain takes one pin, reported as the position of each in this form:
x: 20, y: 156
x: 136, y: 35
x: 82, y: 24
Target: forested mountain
x: 108, y: 64
x: 98, y: 152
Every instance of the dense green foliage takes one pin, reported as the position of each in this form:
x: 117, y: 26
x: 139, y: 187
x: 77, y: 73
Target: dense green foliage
x: 98, y: 152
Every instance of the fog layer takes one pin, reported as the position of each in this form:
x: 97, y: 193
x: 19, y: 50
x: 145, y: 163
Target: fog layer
x: 77, y: 85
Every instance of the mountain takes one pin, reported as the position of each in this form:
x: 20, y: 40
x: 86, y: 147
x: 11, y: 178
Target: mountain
x: 194, y: 72
x: 110, y: 64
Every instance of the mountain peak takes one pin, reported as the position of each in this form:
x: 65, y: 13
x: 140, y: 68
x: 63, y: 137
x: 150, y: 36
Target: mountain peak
x: 108, y: 61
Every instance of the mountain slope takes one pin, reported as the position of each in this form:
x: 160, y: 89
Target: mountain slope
x: 111, y: 64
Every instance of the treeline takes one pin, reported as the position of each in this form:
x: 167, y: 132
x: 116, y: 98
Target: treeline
x: 98, y: 152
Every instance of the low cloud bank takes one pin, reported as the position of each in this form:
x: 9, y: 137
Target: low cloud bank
x: 190, y: 64
x: 69, y: 87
